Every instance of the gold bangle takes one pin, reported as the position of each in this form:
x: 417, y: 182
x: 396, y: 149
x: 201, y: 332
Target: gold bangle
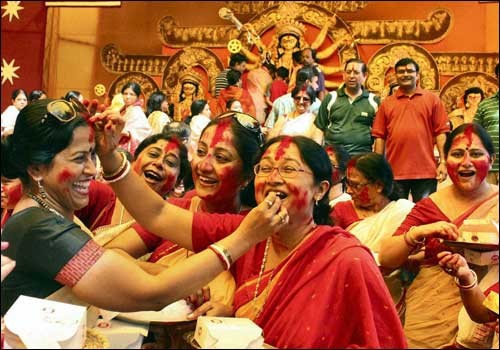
x: 413, y: 241
x: 122, y: 166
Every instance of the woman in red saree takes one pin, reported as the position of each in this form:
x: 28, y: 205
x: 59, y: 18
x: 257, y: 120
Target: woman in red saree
x: 433, y: 301
x: 308, y: 286
x: 235, y: 92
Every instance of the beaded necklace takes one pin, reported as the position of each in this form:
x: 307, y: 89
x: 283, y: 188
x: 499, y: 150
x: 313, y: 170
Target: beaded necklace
x: 44, y: 204
x: 258, y: 310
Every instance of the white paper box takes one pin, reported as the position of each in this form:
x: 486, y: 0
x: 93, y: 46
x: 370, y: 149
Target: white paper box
x: 46, y: 324
x: 481, y: 258
x: 228, y: 333
x: 482, y: 231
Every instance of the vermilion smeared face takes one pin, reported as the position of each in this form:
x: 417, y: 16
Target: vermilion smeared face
x: 12, y: 191
x: 337, y: 174
x: 216, y: 166
x: 297, y: 192
x: 468, y: 162
x: 159, y: 165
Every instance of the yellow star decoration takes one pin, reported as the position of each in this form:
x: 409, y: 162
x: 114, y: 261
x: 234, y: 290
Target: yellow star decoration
x: 9, y: 71
x: 11, y: 9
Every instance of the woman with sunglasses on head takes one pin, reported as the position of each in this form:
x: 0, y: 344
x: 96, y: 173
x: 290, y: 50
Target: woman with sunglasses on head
x: 282, y: 280
x: 52, y: 152
x: 433, y: 301
x: 301, y: 120
x: 222, y: 168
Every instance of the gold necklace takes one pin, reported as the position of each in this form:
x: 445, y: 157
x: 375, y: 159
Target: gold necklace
x: 258, y: 310
x: 44, y: 204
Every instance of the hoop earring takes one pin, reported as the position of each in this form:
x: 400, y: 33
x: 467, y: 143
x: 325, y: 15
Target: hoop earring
x: 316, y: 202
x: 41, y: 189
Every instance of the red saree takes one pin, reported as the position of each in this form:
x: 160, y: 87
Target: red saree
x: 237, y: 93
x: 328, y: 293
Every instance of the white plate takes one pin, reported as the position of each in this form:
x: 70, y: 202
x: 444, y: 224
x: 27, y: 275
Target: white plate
x: 175, y: 312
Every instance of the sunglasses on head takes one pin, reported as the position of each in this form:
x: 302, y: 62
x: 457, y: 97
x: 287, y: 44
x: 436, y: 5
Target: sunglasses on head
x: 62, y: 110
x: 246, y: 121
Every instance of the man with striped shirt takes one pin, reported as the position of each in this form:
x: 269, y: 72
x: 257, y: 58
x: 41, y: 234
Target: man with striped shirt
x: 487, y: 116
x: 238, y: 61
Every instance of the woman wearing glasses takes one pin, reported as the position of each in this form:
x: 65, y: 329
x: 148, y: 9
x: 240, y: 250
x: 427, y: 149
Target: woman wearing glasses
x: 301, y: 120
x: 433, y: 299
x: 222, y: 169
x: 307, y: 286
x: 52, y: 152
x: 374, y: 212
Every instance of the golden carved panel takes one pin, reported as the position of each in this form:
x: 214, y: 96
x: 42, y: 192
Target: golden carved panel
x: 253, y: 7
x: 430, y: 30
x: 454, y: 89
x: 188, y: 58
x: 452, y: 63
x: 148, y: 85
x: 386, y: 58
x: 114, y: 61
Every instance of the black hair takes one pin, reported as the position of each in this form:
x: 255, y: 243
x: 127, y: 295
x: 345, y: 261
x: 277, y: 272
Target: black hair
x: 37, y: 138
x: 155, y: 101
x: 476, y: 129
x: 180, y: 129
x: 35, y: 95
x: 184, y: 164
x: 197, y: 107
x: 303, y: 74
x: 136, y: 88
x: 308, y: 89
x: 318, y: 161
x: 496, y: 70
x: 406, y: 61
x: 313, y: 53
x: 233, y: 77
x: 237, y: 58
x: 297, y: 56
x: 282, y: 72
x: 473, y: 90
x: 376, y: 169
x: 342, y: 157
x: 364, y: 69
x: 18, y: 92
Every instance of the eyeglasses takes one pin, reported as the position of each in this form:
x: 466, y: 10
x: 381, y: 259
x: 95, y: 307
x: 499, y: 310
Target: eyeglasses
x: 62, y: 110
x: 355, y: 186
x: 305, y: 99
x: 403, y: 71
x: 246, y: 121
x: 286, y: 171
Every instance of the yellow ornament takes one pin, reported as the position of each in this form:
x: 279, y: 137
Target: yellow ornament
x: 234, y: 46
x: 99, y: 90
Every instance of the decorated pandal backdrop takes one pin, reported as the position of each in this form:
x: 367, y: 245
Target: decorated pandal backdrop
x: 278, y: 29
x: 191, y: 56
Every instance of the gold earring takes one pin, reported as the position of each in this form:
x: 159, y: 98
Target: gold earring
x: 41, y: 189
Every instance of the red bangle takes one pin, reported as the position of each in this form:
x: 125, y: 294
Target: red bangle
x: 225, y: 262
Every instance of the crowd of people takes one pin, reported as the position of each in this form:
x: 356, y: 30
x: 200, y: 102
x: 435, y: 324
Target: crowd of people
x: 317, y: 214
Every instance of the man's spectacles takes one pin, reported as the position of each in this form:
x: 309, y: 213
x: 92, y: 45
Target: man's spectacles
x: 286, y: 171
x: 246, y: 121
x: 403, y: 71
x: 356, y: 186
x: 305, y: 99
